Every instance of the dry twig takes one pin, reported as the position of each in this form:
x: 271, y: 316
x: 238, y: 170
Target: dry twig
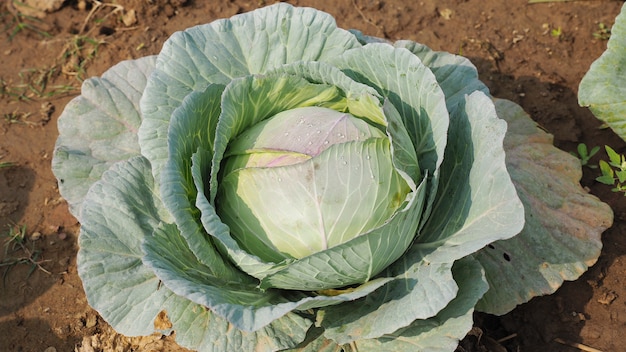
x: 576, y: 345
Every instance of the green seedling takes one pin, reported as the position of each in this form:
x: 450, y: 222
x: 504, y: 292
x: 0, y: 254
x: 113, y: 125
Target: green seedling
x: 20, y: 22
x: 77, y: 54
x: 7, y: 89
x: 5, y: 164
x: 34, y: 84
x: 15, y: 237
x: 17, y: 117
x: 613, y: 171
x: 603, y: 32
x: 556, y: 32
x: 584, y: 155
x: 18, y: 249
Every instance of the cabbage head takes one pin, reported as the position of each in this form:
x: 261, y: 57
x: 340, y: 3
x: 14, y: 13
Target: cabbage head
x: 272, y: 182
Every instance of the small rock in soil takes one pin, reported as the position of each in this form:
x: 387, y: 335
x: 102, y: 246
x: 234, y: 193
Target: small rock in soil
x: 46, y: 111
x: 129, y: 18
x: 37, y: 8
x: 91, y: 321
x: 607, y: 297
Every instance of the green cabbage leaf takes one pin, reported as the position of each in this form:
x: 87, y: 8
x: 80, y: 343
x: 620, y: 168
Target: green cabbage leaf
x: 603, y: 88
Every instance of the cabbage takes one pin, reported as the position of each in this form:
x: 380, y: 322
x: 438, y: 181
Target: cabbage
x: 603, y: 88
x: 272, y: 182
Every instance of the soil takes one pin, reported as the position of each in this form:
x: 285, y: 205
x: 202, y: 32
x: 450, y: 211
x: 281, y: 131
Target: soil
x: 533, y: 54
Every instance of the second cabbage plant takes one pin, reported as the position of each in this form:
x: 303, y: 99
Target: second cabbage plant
x: 272, y: 182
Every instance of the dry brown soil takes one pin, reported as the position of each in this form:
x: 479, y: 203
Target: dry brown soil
x: 533, y: 54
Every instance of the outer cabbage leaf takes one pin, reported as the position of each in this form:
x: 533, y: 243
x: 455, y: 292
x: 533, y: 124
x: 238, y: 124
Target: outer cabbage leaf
x: 419, y: 292
x: 218, y: 52
x: 442, y: 332
x: 122, y: 210
x: 198, y: 328
x: 318, y: 343
x: 411, y: 88
x: 99, y: 128
x: 456, y: 75
x: 561, y: 237
x: 119, y: 211
x: 193, y: 126
x: 603, y: 88
x: 475, y: 191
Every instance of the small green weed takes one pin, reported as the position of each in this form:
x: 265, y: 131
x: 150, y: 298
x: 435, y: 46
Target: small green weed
x: 584, y: 155
x: 34, y: 83
x: 77, y: 54
x: 7, y: 89
x: 19, y: 22
x: 603, y: 32
x: 16, y: 117
x: 613, y: 171
x: 556, y: 32
x: 20, y: 250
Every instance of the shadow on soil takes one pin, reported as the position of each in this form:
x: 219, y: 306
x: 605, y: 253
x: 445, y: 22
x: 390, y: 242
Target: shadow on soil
x: 18, y: 333
x: 21, y: 284
x: 16, y: 182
